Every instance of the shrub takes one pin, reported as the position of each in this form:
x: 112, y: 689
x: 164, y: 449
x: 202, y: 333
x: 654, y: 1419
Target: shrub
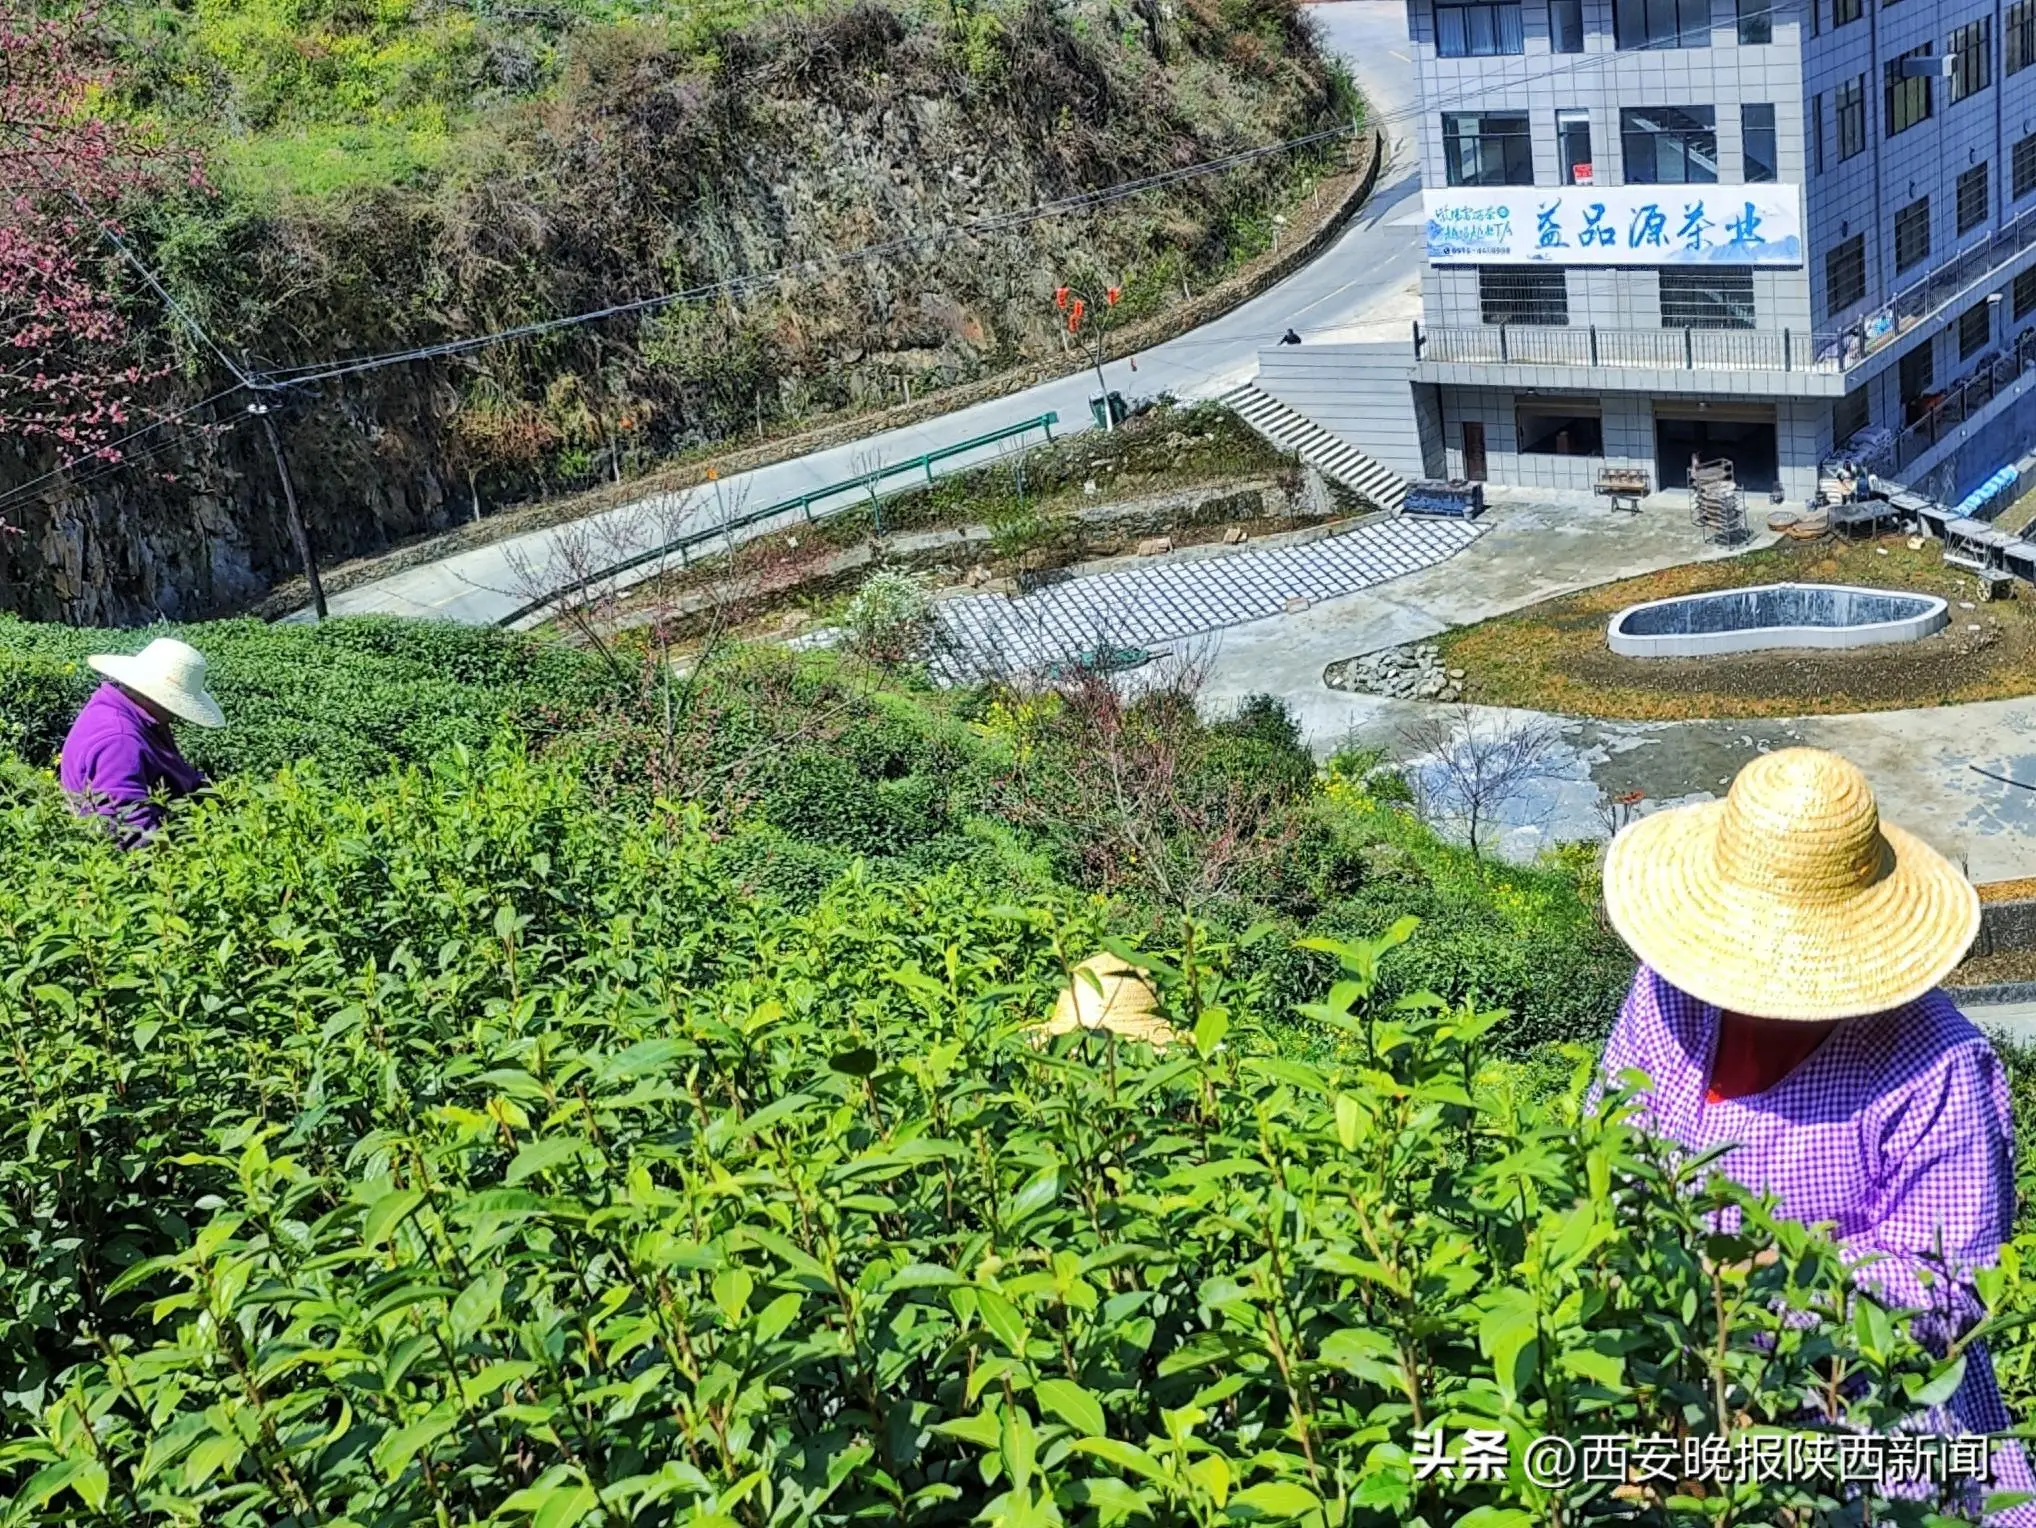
x: 461, y: 1153
x: 357, y: 694
x: 890, y: 619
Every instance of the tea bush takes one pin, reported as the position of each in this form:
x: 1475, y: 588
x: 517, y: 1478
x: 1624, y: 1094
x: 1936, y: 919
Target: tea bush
x: 454, y: 1149
x: 357, y: 693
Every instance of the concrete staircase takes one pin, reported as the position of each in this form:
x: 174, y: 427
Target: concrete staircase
x: 1334, y: 457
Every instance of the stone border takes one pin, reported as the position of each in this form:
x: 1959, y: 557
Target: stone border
x: 1990, y: 996
x: 1368, y: 155
x: 1932, y: 617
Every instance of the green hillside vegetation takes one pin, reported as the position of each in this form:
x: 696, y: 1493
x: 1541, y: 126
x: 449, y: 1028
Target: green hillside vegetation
x: 613, y: 1105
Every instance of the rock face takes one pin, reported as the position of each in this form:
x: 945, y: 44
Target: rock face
x: 1414, y: 672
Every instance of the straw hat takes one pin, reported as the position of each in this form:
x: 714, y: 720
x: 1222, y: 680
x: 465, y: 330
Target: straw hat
x: 1125, y: 1004
x: 168, y: 672
x: 1790, y: 899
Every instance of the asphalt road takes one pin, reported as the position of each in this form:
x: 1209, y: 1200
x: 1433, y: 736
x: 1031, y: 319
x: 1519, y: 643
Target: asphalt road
x: 1366, y: 270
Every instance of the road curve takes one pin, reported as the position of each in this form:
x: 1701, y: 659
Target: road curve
x: 1366, y: 270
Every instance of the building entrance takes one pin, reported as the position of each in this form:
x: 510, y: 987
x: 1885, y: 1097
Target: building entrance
x: 1747, y: 443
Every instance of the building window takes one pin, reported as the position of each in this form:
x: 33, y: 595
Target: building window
x: 1909, y: 100
x: 1756, y: 132
x: 1756, y: 23
x: 1816, y: 18
x: 1912, y: 234
x: 1851, y: 114
x: 1850, y: 415
x: 1817, y: 132
x: 1971, y: 48
x: 1523, y: 294
x: 2025, y: 166
x: 1573, y: 147
x: 1706, y: 299
x: 1844, y: 11
x: 2020, y: 41
x: 1669, y: 145
x: 1844, y: 275
x: 1662, y: 23
x: 1492, y: 148
x: 2025, y: 294
x: 1551, y: 428
x: 1477, y: 31
x: 1565, y: 26
x: 1972, y: 198
x: 1975, y: 327
x: 1917, y: 372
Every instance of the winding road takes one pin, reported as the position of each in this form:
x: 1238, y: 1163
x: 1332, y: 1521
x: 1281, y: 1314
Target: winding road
x: 1366, y: 271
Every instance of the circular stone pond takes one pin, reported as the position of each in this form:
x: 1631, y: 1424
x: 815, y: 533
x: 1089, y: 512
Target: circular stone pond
x: 1774, y: 615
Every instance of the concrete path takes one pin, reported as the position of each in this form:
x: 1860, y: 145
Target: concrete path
x: 1368, y: 268
x: 1537, y: 547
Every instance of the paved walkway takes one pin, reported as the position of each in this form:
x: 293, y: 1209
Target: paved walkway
x: 1169, y: 602
x: 1537, y: 547
x: 1368, y: 268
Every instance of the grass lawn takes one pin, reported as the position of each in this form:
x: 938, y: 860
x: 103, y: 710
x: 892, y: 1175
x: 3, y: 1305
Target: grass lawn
x: 1552, y: 656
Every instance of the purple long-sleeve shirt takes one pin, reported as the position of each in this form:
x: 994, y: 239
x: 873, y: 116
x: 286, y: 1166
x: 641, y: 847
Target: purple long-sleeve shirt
x: 123, y: 764
x: 1896, y: 1130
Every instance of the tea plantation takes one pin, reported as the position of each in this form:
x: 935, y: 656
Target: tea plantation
x: 569, y: 1098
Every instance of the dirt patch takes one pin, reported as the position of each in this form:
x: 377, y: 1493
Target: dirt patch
x: 2022, y: 890
x: 1987, y: 970
x: 1553, y: 657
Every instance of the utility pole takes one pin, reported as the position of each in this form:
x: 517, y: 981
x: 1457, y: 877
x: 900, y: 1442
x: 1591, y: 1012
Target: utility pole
x: 300, y: 533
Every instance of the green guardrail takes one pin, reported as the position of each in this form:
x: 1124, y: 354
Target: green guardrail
x: 869, y: 481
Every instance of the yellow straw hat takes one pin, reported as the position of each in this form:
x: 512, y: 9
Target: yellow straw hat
x: 1790, y: 899
x: 1119, y: 1000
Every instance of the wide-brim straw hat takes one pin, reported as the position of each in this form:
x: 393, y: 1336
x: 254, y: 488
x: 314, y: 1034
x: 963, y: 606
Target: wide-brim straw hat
x: 1790, y: 899
x: 168, y: 672
x: 1107, y: 993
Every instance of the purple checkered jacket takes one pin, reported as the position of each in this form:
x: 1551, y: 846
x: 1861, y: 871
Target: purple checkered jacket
x: 1896, y: 1130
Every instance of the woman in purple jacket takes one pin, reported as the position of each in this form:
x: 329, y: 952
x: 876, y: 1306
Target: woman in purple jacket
x: 120, y: 759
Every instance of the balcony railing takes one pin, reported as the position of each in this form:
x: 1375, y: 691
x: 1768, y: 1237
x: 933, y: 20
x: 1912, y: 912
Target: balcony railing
x: 1957, y: 281
x: 1659, y: 349
x: 1938, y: 415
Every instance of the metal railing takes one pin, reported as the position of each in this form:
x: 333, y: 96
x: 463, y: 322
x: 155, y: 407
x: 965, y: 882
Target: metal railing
x: 868, y: 484
x: 1659, y: 349
x: 1957, y: 281
x: 1966, y: 398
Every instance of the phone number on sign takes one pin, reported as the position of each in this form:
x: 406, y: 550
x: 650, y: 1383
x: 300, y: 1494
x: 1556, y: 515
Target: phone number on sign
x: 1742, y: 1458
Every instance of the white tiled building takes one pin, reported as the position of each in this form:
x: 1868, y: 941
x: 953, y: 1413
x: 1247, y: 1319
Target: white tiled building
x: 1886, y: 276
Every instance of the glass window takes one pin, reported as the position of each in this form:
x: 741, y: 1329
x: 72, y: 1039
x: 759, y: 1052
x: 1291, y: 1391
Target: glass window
x: 1551, y: 428
x: 1844, y: 11
x: 2025, y: 294
x: 1817, y: 132
x: 1844, y: 275
x: 1565, y: 26
x: 2025, y: 166
x: 1573, y: 147
x: 1491, y: 148
x: 2020, y: 39
x: 1477, y: 31
x: 1756, y: 131
x: 1850, y: 111
x: 1523, y: 294
x: 1669, y: 145
x: 1972, y: 198
x: 1975, y: 326
x: 1971, y: 50
x: 1706, y: 299
x: 1850, y: 415
x: 1756, y: 23
x: 1912, y: 234
x: 1909, y: 100
x: 1662, y: 23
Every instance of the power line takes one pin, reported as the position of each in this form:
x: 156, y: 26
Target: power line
x: 22, y: 492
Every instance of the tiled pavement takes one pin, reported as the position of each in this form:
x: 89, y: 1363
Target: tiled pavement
x: 1147, y: 606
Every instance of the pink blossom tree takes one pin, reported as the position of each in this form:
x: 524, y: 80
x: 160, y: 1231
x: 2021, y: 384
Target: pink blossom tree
x: 70, y: 363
